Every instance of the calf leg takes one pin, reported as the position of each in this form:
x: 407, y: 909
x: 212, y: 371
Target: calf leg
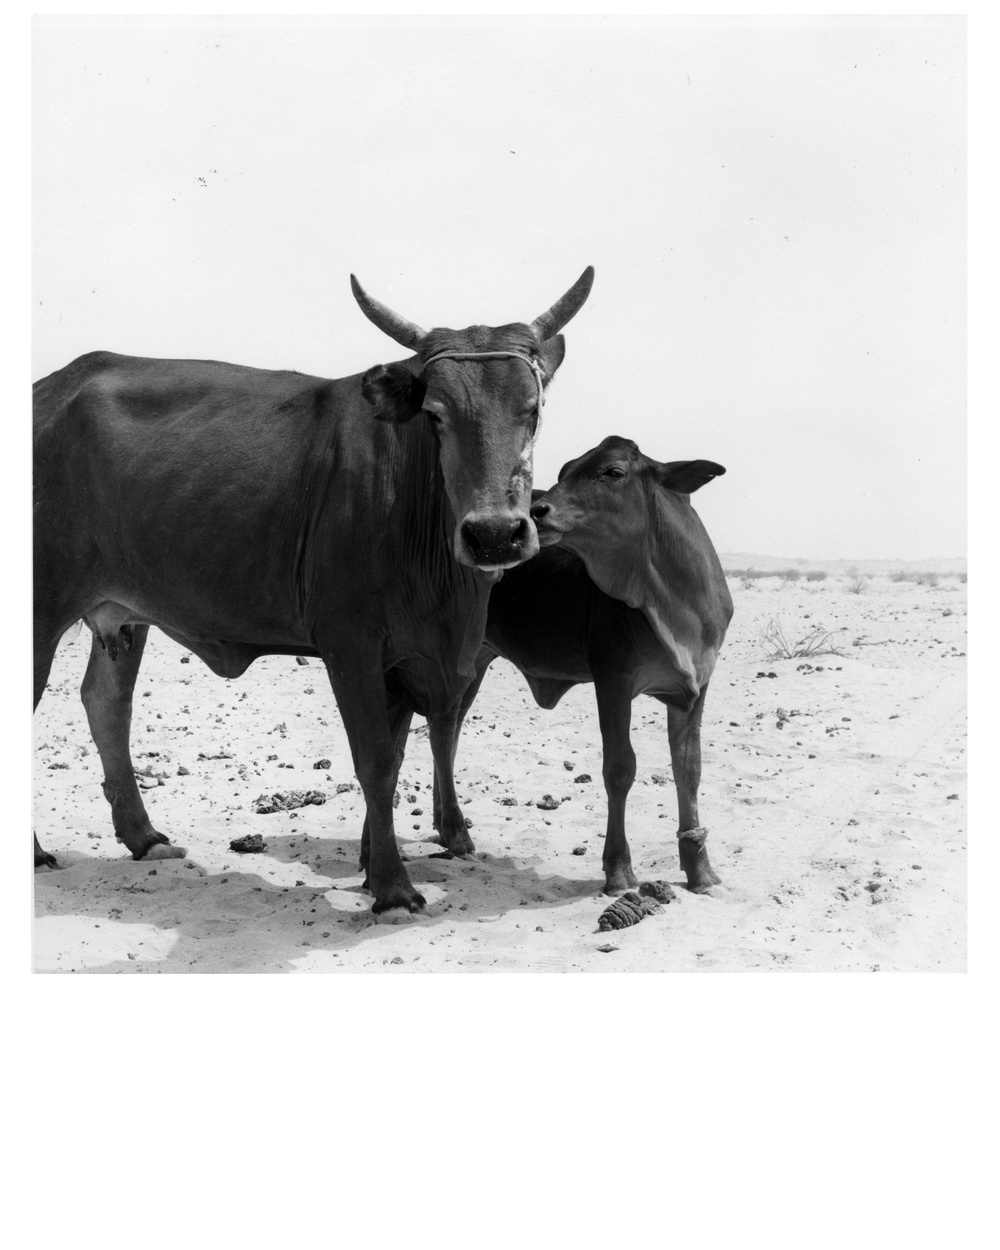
x: 614, y: 709
x: 107, y: 697
x: 359, y: 688
x: 684, y: 729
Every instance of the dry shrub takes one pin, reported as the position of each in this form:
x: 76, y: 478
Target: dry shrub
x: 789, y: 575
x: 816, y: 642
x: 816, y: 575
x: 900, y: 576
x: 927, y: 579
x: 856, y: 584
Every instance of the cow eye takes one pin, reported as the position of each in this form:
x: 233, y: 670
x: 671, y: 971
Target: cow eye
x: 613, y: 471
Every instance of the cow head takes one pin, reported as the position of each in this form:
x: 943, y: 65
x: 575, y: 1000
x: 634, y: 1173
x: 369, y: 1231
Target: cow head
x: 611, y: 504
x: 481, y: 389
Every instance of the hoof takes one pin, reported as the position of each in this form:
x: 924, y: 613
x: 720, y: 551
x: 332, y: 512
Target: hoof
x: 44, y: 860
x: 398, y: 896
x: 163, y: 850
x: 705, y: 883
x: 461, y: 845
x: 620, y: 880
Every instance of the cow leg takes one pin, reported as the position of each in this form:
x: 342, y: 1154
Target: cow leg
x: 107, y: 697
x: 399, y: 726
x: 362, y: 703
x: 45, y: 649
x: 684, y: 729
x: 614, y: 709
x: 444, y: 733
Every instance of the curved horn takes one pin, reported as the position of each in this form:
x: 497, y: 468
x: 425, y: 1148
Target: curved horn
x: 562, y: 310
x: 406, y: 333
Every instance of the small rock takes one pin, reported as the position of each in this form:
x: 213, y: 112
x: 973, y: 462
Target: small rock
x: 301, y: 659
x: 417, y: 811
x: 952, y: 796
x: 344, y: 786
x: 661, y: 891
x: 398, y: 959
x: 660, y: 779
x: 607, y: 948
x: 568, y: 765
x: 251, y: 843
x: 583, y: 779
x: 322, y: 764
x: 579, y: 850
x: 182, y: 771
x: 547, y: 803
x: 508, y: 802
x: 185, y: 659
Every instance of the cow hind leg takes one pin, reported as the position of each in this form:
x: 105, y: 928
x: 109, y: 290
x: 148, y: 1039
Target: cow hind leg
x: 45, y: 642
x: 614, y: 707
x: 684, y: 729
x: 107, y: 697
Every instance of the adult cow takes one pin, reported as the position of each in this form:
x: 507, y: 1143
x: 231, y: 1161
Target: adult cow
x: 632, y: 598
x: 248, y: 512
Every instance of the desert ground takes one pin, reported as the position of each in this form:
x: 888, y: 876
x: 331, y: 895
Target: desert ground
x: 833, y: 789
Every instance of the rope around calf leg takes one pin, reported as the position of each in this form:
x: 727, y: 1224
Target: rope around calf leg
x: 697, y: 836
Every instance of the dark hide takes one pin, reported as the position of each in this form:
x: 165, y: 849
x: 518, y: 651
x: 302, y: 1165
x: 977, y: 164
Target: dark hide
x: 247, y: 512
x: 552, y: 620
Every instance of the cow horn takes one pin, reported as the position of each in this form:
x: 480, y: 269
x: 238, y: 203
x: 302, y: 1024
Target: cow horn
x: 406, y: 333
x: 564, y: 309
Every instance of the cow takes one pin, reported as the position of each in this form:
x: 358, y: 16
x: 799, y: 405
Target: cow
x: 628, y: 593
x: 249, y: 512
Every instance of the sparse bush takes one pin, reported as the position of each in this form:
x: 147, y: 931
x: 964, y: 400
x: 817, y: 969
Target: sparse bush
x: 816, y: 642
x: 790, y: 575
x: 856, y: 584
x: 816, y: 575
x: 963, y: 578
x: 746, y: 583
x: 900, y: 576
x: 927, y: 579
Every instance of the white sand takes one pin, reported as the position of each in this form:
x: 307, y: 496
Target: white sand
x: 835, y: 836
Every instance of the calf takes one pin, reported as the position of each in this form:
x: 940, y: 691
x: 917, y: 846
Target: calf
x: 628, y: 593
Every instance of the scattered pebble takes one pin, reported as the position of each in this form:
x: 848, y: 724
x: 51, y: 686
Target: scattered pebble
x: 301, y: 659
x: 322, y: 764
x: 547, y: 803
x: 182, y: 771
x: 583, y: 779
x: 607, y: 949
x: 265, y: 804
x: 579, y: 850
x: 251, y: 843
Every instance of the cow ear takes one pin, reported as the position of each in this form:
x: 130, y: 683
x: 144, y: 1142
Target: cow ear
x: 686, y: 476
x: 393, y: 392
x: 550, y: 355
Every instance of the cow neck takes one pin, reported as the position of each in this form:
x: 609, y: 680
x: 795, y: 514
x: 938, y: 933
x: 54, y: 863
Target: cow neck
x: 532, y: 364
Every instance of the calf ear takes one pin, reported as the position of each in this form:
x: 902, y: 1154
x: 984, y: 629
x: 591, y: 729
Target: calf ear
x: 550, y: 355
x: 393, y: 392
x: 686, y: 476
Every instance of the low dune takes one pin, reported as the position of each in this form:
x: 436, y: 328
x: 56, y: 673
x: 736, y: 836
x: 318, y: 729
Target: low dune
x: 833, y: 789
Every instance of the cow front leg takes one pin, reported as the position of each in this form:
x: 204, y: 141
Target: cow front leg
x: 444, y: 733
x: 107, y: 697
x: 46, y: 639
x: 614, y: 709
x: 684, y: 729
x: 399, y: 717
x: 359, y: 688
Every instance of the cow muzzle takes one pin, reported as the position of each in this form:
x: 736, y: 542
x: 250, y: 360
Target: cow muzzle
x: 491, y: 541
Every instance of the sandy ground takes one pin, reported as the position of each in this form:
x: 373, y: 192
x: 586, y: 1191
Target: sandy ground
x: 834, y: 796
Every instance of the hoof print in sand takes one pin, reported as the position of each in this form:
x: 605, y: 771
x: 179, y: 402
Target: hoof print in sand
x: 625, y: 911
x: 265, y: 804
x: 248, y: 845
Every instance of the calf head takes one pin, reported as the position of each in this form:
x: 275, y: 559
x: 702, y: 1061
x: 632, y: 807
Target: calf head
x: 617, y: 508
x: 482, y: 390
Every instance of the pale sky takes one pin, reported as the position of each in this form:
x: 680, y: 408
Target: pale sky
x: 775, y: 209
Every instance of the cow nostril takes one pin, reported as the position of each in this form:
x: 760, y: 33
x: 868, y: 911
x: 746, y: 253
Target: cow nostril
x: 519, y: 534
x: 539, y: 510
x: 471, y: 540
